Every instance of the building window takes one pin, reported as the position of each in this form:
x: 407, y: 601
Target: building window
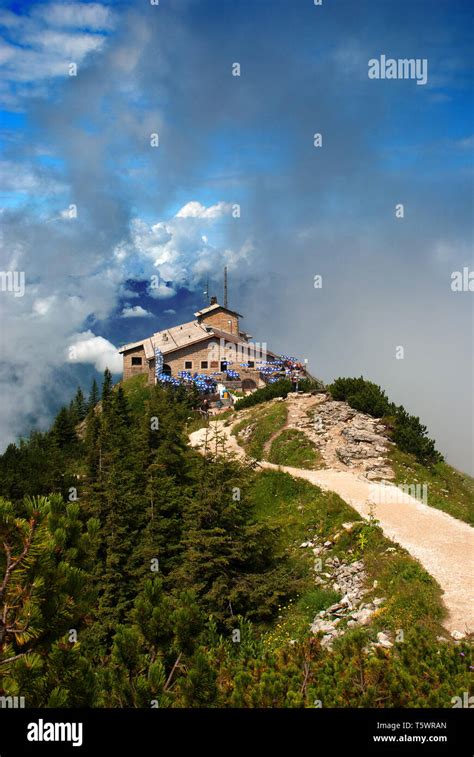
x: 136, y: 361
x: 204, y: 364
x: 251, y: 364
x: 188, y: 364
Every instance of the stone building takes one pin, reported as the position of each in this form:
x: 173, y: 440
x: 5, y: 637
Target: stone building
x: 205, y: 345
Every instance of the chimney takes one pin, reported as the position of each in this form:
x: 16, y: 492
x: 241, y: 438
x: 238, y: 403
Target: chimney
x: 213, y: 301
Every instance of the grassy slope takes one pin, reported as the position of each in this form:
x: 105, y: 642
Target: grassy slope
x: 448, y: 489
x: 264, y: 421
x: 301, y: 512
x: 292, y: 447
x: 412, y: 603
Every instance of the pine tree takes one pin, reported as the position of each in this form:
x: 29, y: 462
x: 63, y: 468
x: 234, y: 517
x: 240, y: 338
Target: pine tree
x: 93, y: 396
x: 63, y: 431
x: 107, y: 387
x: 80, y: 405
x: 163, y: 456
x: 118, y: 501
x: 44, y: 574
x: 228, y: 558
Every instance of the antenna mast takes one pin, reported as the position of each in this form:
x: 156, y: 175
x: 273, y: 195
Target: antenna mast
x: 206, y: 291
x: 225, y: 286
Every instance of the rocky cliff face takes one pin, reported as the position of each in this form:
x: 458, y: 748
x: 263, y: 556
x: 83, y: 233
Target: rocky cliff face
x: 346, y: 438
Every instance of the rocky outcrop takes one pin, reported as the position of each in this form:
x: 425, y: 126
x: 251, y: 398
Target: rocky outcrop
x: 345, y: 437
x: 351, y: 610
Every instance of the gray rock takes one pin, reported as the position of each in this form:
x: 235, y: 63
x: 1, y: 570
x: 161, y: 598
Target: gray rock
x: 363, y: 615
x: 383, y: 640
x: 348, y: 526
x: 324, y: 626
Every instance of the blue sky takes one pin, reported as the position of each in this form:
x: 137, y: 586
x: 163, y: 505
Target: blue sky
x: 141, y: 211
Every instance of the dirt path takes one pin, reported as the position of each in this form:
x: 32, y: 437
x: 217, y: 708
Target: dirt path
x: 442, y: 544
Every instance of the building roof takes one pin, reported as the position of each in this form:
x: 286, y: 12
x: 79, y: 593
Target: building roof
x: 177, y: 337
x: 216, y: 306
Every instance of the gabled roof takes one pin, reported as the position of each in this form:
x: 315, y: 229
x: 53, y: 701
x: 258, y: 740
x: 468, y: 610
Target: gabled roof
x: 216, y: 306
x: 171, y: 339
x: 177, y: 337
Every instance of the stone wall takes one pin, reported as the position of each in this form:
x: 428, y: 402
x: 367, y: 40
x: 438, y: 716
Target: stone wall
x: 129, y: 369
x: 199, y: 353
x: 220, y: 320
x: 196, y: 354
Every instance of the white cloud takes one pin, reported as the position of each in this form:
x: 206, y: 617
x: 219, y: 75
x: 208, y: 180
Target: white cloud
x: 95, y: 350
x: 135, y: 312
x: 67, y: 44
x: 73, y: 279
x: 195, y: 209
x: 40, y: 46
x: 160, y: 290
x: 77, y: 15
x: 170, y: 311
x: 175, y: 253
x: 43, y: 306
x: 15, y: 177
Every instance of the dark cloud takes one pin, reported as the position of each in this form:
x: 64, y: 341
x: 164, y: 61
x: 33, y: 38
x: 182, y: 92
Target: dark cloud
x: 305, y: 211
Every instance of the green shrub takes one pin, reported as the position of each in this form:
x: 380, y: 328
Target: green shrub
x: 408, y: 433
x: 410, y: 436
x: 362, y: 395
x: 280, y: 388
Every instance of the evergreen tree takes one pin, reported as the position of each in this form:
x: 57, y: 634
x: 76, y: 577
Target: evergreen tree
x: 63, y: 431
x: 229, y: 559
x: 80, y: 406
x: 93, y: 396
x: 44, y: 575
x: 118, y: 501
x: 107, y: 387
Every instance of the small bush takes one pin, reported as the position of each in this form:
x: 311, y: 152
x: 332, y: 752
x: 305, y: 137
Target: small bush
x: 280, y: 388
x: 411, y: 436
x: 362, y: 395
x: 408, y: 434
